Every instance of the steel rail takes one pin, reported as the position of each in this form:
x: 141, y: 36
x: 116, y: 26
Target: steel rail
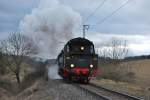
x: 100, y: 97
x: 105, y: 93
x: 116, y: 92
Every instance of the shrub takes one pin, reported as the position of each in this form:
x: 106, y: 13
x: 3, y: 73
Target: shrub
x: 30, y: 78
x: 6, y: 84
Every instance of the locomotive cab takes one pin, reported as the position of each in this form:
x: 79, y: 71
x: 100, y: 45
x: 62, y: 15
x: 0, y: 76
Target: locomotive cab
x: 78, y: 60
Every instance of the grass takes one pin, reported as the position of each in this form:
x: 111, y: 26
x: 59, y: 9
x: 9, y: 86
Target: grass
x: 132, y: 77
x: 116, y: 72
x: 124, y: 87
x: 136, y: 71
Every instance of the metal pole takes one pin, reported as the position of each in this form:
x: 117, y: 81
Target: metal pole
x: 85, y: 27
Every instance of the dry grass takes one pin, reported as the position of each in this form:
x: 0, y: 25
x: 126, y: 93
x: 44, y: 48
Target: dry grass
x: 132, y: 71
x: 116, y: 72
x: 124, y: 87
x: 141, y: 68
x: 132, y: 77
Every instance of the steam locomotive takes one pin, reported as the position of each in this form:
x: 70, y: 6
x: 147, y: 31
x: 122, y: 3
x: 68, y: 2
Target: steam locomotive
x: 78, y: 60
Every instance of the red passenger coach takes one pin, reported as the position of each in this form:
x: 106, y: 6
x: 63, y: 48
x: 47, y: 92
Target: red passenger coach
x: 78, y: 61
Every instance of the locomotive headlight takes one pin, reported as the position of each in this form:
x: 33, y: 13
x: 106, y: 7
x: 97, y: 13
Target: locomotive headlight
x: 72, y: 65
x: 91, y: 66
x: 82, y: 48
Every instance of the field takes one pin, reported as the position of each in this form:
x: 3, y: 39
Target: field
x: 132, y: 77
x: 141, y: 68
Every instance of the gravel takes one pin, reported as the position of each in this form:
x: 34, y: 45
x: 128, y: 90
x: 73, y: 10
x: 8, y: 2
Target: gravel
x: 57, y: 90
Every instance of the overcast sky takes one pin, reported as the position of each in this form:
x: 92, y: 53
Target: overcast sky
x: 132, y: 22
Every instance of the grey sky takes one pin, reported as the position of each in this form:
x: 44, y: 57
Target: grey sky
x: 133, y: 18
x: 131, y: 21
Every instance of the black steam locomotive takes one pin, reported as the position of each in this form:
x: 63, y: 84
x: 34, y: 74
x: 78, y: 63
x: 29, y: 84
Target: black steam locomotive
x: 78, y: 61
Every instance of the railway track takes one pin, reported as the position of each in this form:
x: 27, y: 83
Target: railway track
x: 106, y: 94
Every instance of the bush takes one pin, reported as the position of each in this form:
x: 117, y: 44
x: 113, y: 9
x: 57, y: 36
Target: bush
x: 3, y: 70
x: 6, y: 84
x: 30, y: 78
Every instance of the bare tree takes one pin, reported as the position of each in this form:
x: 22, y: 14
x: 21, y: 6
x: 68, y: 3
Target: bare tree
x: 113, y: 52
x: 16, y: 47
x: 115, y: 49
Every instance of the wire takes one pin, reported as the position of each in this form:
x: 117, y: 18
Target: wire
x: 115, y: 11
x: 99, y: 6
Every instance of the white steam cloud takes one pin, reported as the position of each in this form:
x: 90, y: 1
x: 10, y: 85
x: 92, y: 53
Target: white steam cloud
x: 53, y: 72
x: 50, y: 24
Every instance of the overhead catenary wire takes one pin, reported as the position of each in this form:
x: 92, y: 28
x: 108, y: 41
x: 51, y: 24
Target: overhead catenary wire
x: 85, y: 26
x: 115, y: 11
x: 98, y: 7
x: 108, y: 16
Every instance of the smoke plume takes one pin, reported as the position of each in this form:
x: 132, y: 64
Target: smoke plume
x: 50, y: 25
x: 53, y: 72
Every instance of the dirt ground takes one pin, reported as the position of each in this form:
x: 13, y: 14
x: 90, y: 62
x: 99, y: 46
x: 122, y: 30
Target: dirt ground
x: 4, y: 94
x: 51, y: 90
